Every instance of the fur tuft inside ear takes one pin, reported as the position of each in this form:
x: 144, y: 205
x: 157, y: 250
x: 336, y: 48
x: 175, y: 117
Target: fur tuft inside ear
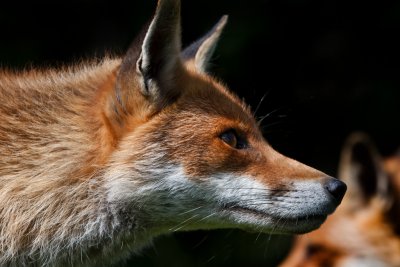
x: 147, y: 77
x: 160, y: 53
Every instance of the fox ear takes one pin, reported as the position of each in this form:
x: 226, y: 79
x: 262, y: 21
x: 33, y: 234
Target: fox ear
x: 153, y: 62
x: 202, y: 50
x: 392, y: 167
x: 361, y: 168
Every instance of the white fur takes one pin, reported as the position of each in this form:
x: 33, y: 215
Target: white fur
x: 174, y: 201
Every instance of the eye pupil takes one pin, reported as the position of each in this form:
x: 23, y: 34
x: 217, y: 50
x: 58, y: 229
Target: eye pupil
x: 232, y: 139
x: 229, y: 137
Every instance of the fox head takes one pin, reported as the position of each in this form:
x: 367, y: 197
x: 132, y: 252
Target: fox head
x: 364, y: 231
x: 188, y: 154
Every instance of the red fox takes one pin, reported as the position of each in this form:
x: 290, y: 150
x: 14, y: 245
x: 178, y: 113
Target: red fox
x: 365, y: 230
x: 99, y: 158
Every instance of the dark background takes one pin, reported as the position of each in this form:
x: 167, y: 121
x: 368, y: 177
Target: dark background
x: 326, y: 68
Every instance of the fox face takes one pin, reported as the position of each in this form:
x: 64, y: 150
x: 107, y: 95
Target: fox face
x: 208, y: 163
x: 219, y: 174
x: 365, y: 229
x: 106, y: 156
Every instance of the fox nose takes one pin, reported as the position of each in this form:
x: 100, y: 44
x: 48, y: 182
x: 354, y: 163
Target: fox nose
x: 336, y: 188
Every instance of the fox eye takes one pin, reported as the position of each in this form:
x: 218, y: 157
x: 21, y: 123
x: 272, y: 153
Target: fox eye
x: 231, y: 138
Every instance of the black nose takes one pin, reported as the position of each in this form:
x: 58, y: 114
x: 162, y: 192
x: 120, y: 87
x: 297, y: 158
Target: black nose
x: 336, y: 188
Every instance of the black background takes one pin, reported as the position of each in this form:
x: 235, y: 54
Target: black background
x: 327, y: 68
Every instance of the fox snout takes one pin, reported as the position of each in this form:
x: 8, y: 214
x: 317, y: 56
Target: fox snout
x: 335, y: 188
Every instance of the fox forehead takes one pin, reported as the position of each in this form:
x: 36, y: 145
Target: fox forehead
x: 208, y: 108
x: 205, y: 96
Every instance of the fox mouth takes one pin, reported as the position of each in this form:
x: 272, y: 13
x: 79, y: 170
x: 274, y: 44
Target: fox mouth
x: 282, y: 224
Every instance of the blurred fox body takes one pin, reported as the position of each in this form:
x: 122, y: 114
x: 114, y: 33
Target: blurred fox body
x: 99, y: 158
x: 365, y: 230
